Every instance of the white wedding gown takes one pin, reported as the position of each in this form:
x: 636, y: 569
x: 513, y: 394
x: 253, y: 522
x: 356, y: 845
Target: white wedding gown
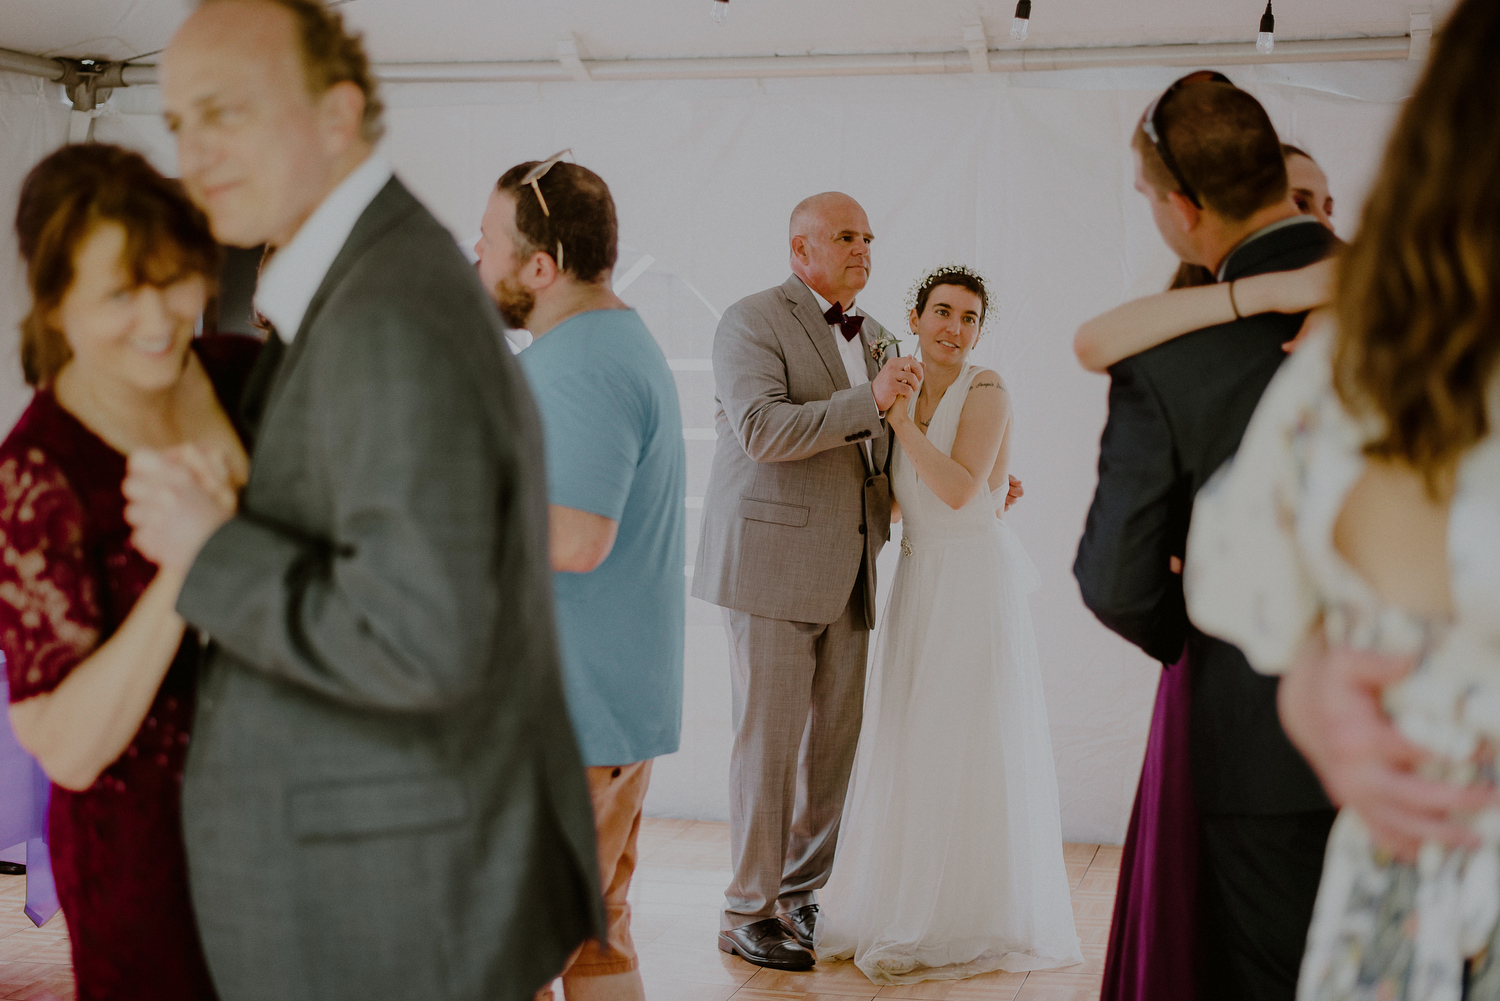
x: 950, y: 858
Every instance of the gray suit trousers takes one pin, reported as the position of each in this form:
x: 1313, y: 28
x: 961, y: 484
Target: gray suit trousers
x: 798, y: 699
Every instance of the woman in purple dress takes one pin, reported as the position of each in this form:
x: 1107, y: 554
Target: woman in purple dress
x: 101, y: 669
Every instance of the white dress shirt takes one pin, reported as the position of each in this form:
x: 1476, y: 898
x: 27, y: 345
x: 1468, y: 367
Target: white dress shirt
x: 292, y: 276
x: 852, y: 351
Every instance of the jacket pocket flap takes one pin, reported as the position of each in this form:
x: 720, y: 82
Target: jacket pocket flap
x: 381, y: 806
x: 794, y: 515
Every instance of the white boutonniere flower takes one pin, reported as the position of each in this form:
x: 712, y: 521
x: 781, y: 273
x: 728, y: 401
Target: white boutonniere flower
x: 885, y: 343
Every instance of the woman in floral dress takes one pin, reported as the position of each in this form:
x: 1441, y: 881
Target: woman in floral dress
x: 1363, y: 510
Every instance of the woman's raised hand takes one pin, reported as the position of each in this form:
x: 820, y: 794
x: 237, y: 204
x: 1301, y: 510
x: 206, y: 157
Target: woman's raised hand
x: 899, y: 377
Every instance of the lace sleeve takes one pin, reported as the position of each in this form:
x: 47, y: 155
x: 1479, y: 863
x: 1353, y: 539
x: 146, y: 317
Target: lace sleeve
x: 49, y: 602
x: 1246, y: 576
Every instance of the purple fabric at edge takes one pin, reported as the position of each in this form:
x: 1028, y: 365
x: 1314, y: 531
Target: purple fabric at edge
x: 24, y: 796
x: 1152, y: 940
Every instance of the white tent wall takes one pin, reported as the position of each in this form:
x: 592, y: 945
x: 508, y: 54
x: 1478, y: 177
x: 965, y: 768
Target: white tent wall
x: 1024, y: 176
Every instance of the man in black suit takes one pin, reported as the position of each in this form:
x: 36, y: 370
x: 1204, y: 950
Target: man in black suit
x: 1209, y: 162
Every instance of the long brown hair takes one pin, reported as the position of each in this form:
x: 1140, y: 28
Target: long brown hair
x: 63, y: 199
x: 1418, y: 296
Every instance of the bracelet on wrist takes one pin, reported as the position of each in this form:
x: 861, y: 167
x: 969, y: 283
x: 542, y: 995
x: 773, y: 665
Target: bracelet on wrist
x: 1232, y: 304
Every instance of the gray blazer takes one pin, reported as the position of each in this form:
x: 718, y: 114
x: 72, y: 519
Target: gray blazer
x: 793, y: 506
x: 383, y: 796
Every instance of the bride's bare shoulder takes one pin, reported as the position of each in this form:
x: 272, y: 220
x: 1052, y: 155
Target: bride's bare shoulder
x: 987, y: 379
x: 987, y: 385
x: 987, y: 400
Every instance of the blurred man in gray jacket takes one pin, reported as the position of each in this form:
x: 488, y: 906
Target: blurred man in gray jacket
x: 383, y: 796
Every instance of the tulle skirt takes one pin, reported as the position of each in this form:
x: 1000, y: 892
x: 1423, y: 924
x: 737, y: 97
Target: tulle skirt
x: 950, y: 856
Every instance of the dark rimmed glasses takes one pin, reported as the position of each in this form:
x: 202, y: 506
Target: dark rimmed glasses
x: 1151, y: 125
x: 533, y: 176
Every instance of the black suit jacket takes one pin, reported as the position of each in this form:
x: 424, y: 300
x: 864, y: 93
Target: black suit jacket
x: 1176, y: 412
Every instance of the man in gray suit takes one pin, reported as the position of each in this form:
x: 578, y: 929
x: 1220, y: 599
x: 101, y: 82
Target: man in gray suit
x: 383, y: 796
x: 797, y: 508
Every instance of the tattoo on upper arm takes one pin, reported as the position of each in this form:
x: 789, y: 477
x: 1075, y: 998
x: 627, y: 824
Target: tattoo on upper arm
x: 984, y: 385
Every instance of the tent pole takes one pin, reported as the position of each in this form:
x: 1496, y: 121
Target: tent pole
x: 22, y: 62
x: 765, y: 67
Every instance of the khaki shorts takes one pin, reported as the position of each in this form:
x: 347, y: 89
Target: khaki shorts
x: 618, y: 793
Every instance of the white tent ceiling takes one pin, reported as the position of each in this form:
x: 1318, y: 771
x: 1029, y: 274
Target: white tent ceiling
x: 493, y: 30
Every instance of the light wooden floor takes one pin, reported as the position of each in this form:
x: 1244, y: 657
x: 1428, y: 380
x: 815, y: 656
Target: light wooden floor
x: 34, y: 962
x: 678, y: 890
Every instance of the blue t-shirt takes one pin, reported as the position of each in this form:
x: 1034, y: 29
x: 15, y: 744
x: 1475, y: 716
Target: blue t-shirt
x: 613, y: 434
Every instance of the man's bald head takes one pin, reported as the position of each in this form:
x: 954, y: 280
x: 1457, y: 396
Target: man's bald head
x: 830, y: 243
x: 812, y: 209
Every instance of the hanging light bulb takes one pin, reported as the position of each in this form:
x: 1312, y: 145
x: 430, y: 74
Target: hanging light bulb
x: 1266, y: 40
x: 1022, y: 22
x: 719, y: 10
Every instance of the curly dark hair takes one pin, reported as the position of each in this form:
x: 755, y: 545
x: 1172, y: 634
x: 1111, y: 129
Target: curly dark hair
x: 1418, y: 297
x: 63, y: 199
x: 949, y: 274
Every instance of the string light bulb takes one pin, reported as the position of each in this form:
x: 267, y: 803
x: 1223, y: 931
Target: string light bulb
x: 719, y: 11
x: 1022, y: 20
x: 1265, y: 42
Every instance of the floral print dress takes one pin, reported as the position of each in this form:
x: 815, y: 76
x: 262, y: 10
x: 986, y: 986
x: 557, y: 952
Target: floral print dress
x: 1261, y: 572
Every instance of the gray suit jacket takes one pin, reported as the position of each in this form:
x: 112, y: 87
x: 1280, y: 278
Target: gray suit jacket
x: 792, y: 507
x: 383, y: 796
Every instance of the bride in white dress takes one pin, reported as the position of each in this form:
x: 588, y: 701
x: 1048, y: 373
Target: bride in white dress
x: 950, y: 856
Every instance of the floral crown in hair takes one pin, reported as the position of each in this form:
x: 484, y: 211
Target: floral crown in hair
x: 944, y: 276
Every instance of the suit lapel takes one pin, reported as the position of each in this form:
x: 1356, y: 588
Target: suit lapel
x: 805, y: 309
x: 388, y: 208
x: 257, y: 388
x: 872, y: 332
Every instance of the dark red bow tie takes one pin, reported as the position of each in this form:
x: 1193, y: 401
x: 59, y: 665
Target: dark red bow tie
x: 848, y: 325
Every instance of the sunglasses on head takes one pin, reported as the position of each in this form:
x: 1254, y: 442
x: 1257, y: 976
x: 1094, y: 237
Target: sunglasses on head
x: 534, y: 175
x: 1152, y: 126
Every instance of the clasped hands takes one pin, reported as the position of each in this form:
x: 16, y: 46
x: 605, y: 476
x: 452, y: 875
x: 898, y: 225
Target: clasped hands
x: 175, y: 499
x: 1330, y: 705
x: 899, y: 380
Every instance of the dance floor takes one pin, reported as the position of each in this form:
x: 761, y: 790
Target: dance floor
x: 678, y: 890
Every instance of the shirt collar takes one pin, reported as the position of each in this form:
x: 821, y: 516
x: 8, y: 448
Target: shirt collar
x: 823, y: 304
x: 1263, y: 231
x: 294, y: 272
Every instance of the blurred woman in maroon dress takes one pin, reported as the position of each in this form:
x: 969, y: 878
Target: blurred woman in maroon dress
x: 101, y: 672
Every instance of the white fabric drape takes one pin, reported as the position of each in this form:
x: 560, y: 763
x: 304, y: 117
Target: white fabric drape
x: 1025, y: 176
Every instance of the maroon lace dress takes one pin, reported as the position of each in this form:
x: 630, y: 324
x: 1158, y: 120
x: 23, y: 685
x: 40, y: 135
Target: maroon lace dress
x: 68, y: 577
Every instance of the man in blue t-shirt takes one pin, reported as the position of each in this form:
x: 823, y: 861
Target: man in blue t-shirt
x: 616, y: 471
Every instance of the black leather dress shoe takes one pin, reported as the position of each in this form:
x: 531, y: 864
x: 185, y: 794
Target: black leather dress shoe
x: 766, y: 943
x: 801, y: 923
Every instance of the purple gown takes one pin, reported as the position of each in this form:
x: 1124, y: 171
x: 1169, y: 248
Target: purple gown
x: 1152, y: 940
